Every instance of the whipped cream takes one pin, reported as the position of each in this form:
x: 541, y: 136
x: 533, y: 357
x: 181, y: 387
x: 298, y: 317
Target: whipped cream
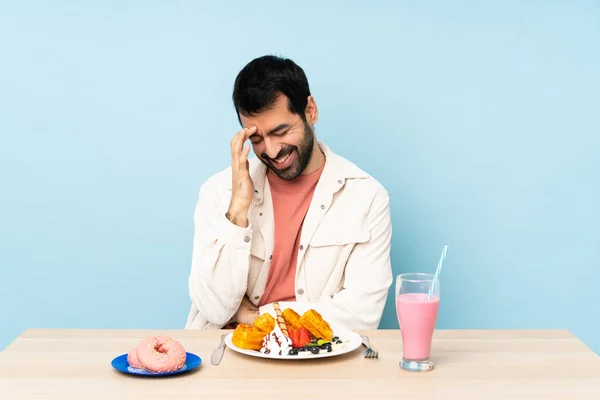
x: 338, y: 346
x: 276, y: 343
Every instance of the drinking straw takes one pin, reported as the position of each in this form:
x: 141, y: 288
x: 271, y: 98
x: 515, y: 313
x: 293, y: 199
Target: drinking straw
x: 437, y: 271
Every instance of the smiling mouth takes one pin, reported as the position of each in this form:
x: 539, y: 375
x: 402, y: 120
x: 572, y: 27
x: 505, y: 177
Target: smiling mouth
x: 284, y: 161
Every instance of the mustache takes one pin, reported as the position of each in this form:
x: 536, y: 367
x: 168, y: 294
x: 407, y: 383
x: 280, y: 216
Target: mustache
x: 282, y: 153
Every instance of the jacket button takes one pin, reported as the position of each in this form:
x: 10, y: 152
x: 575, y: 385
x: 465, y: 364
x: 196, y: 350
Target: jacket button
x: 322, y: 206
x: 256, y: 297
x: 271, y: 257
x: 300, y: 291
x: 340, y: 181
x: 247, y: 239
x: 301, y: 247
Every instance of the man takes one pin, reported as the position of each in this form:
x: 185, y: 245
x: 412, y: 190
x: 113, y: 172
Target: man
x: 296, y: 223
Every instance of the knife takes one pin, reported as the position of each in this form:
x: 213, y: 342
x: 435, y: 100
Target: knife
x: 217, y: 353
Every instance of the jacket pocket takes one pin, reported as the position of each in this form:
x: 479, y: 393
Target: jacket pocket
x: 340, y: 232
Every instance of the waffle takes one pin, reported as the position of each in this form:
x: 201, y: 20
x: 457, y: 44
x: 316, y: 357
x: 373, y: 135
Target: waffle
x: 247, y: 337
x: 316, y: 325
x: 265, y: 323
x: 292, y: 319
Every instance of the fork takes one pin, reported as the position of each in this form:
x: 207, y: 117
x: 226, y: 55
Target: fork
x: 369, y: 353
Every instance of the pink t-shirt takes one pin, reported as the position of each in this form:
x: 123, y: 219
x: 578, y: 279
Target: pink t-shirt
x: 291, y: 200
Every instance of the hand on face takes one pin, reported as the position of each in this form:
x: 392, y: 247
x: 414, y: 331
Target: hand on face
x: 242, y: 185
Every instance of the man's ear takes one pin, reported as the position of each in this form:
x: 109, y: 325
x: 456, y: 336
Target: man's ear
x: 312, y: 112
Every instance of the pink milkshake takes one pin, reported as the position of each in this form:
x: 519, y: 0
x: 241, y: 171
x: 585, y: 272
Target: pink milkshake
x: 417, y: 316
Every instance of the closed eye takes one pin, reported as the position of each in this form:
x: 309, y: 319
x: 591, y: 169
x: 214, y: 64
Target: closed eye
x: 281, y: 134
x: 282, y: 128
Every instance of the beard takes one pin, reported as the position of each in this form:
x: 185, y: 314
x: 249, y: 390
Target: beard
x: 303, y: 155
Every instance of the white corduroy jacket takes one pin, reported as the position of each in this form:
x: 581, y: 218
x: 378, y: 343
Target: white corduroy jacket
x: 343, y: 260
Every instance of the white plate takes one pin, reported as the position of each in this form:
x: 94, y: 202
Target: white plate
x: 351, y: 339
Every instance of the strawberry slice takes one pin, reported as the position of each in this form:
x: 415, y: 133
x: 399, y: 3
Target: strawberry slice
x: 303, y: 337
x: 293, y: 334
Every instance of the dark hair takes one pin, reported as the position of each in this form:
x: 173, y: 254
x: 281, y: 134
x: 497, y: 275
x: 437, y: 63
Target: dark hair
x: 263, y: 79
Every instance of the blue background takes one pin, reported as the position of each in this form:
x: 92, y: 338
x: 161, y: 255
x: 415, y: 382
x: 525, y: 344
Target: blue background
x: 481, y: 119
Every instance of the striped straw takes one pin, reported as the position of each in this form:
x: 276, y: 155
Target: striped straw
x: 437, y: 271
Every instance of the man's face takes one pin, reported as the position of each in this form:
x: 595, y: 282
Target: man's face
x: 283, y: 141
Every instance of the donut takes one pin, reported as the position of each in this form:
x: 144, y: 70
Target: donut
x: 133, y: 360
x: 160, y: 354
x: 162, y: 339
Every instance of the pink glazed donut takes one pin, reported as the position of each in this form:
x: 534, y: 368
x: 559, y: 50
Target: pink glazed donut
x: 133, y: 360
x: 161, y: 354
